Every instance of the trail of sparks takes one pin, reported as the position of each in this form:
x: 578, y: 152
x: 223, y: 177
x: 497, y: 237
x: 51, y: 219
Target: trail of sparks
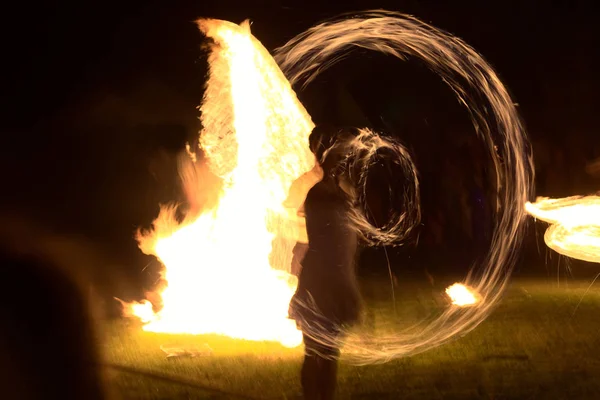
x: 493, y: 115
x: 362, y: 153
x: 224, y: 271
x: 574, y: 229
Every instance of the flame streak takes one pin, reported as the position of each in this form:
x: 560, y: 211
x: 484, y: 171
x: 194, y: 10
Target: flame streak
x: 364, y: 151
x: 304, y: 57
x: 217, y: 266
x: 574, y: 229
x: 255, y: 137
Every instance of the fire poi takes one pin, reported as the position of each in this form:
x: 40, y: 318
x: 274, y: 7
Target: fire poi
x: 225, y: 271
x: 574, y: 229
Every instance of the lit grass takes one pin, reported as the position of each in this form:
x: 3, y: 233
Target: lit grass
x: 541, y: 342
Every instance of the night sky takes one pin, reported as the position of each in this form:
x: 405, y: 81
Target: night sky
x: 94, y: 93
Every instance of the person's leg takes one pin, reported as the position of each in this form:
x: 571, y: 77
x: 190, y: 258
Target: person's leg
x: 309, y: 375
x: 319, y: 370
x: 327, y: 378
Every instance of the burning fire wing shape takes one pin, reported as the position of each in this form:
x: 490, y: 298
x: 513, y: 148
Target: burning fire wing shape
x: 227, y: 270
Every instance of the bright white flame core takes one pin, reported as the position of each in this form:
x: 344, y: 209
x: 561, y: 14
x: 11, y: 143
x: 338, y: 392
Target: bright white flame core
x: 217, y: 267
x: 461, y: 296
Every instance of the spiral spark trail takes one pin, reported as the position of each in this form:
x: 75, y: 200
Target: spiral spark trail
x: 361, y: 153
x: 496, y: 122
x: 224, y: 272
x: 574, y: 229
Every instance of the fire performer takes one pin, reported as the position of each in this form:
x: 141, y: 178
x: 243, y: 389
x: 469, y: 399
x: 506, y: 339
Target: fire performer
x: 327, y: 298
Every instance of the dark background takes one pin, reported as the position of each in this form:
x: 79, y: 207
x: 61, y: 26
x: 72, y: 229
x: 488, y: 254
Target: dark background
x: 99, y: 98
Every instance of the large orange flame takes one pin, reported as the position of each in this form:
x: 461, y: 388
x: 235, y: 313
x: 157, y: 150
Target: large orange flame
x: 227, y: 270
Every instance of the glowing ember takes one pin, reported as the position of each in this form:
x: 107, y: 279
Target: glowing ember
x: 574, y: 225
x: 461, y: 295
x: 227, y: 270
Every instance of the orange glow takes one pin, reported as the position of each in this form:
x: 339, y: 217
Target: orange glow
x: 227, y: 270
x: 461, y: 296
x: 574, y: 225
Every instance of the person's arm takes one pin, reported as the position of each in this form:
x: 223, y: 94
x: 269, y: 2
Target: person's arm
x: 301, y: 186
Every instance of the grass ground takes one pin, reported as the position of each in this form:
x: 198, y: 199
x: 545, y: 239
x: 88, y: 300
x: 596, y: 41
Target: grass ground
x: 542, y: 342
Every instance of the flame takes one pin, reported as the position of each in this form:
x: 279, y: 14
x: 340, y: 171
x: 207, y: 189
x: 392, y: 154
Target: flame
x: 227, y: 270
x: 461, y: 295
x: 216, y: 265
x: 574, y: 225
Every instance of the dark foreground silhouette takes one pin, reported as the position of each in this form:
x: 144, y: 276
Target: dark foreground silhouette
x: 47, y: 342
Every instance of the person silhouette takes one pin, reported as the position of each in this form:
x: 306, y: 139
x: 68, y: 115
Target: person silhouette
x: 327, y: 298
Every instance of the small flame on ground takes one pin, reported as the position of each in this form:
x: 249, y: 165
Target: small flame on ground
x: 461, y: 295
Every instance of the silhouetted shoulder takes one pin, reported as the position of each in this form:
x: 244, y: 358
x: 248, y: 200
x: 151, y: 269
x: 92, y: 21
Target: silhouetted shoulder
x: 323, y: 192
